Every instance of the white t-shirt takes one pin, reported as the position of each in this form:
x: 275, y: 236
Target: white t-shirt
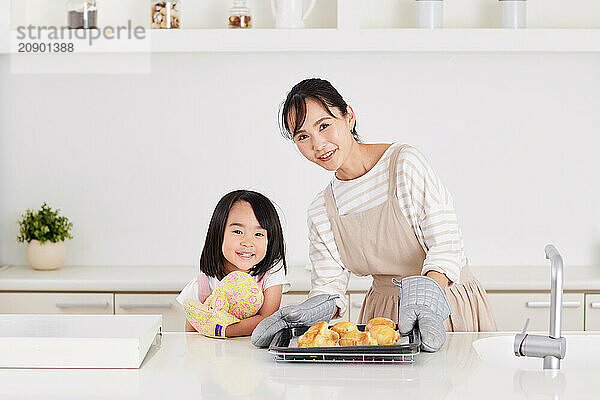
x: 276, y: 277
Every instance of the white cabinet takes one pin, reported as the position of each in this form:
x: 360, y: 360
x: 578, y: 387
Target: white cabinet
x: 56, y: 303
x: 172, y: 313
x: 592, y: 312
x: 295, y: 298
x: 356, y: 300
x: 512, y: 309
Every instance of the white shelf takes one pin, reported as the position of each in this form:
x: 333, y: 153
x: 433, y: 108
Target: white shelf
x: 338, y: 40
x: 380, y: 40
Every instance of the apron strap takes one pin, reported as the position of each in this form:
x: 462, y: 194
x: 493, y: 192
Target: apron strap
x: 393, y: 181
x: 261, y: 282
x: 330, y: 205
x: 203, y: 287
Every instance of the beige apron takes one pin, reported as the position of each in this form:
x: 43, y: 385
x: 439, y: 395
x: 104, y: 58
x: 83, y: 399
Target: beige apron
x: 381, y: 243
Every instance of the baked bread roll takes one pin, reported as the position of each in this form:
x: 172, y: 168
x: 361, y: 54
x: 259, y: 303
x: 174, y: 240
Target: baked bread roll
x: 384, y: 334
x: 318, y: 335
x: 357, y: 338
x: 344, y: 327
x: 380, y: 321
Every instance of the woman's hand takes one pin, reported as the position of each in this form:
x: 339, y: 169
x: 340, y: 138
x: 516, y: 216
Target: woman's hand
x: 439, y: 278
x: 423, y: 303
x: 317, y: 308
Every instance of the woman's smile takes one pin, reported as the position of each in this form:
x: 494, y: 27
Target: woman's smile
x: 327, y: 156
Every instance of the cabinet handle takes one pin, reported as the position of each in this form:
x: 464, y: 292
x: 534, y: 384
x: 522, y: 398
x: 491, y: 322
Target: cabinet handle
x: 126, y: 306
x: 595, y: 304
x: 81, y: 304
x: 546, y: 304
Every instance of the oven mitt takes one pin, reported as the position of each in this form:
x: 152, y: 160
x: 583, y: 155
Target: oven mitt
x: 316, y: 309
x: 423, y: 303
x: 236, y: 297
x: 238, y: 294
x: 207, y: 320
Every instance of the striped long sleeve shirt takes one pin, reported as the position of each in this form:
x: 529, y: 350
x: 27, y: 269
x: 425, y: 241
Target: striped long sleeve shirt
x: 425, y: 202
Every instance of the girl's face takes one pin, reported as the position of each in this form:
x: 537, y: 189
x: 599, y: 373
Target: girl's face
x: 323, y: 139
x: 244, y: 240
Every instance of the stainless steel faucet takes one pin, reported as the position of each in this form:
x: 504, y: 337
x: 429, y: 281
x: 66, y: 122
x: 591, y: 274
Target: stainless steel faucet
x: 551, y: 348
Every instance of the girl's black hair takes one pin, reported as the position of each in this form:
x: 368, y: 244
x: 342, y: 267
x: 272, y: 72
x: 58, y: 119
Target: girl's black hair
x: 212, y: 262
x: 317, y: 89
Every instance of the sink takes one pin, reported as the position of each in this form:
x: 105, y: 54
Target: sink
x: 583, y: 353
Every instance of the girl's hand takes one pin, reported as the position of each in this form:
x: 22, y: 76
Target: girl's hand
x: 238, y: 294
x: 271, y: 304
x: 212, y: 323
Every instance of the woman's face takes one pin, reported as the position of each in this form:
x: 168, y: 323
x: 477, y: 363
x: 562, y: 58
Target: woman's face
x: 244, y: 241
x: 323, y: 139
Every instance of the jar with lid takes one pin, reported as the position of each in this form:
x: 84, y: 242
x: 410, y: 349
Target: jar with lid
x: 82, y: 14
x: 239, y: 15
x: 165, y: 14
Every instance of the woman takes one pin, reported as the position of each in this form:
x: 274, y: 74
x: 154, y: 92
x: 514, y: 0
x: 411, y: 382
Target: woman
x: 385, y: 214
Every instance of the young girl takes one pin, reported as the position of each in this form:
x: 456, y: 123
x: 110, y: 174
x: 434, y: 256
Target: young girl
x: 244, y: 235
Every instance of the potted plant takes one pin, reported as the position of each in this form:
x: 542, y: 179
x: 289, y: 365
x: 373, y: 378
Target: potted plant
x: 45, y: 232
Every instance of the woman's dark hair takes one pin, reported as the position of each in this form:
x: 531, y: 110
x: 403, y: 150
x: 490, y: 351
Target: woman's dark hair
x: 212, y: 262
x: 317, y: 89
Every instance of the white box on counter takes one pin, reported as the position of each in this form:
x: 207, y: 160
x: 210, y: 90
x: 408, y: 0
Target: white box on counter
x: 76, y: 341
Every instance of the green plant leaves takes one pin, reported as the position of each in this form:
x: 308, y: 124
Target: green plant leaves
x: 44, y: 225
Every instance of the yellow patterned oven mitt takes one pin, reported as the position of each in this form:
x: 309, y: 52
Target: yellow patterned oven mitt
x: 206, y: 320
x: 239, y: 294
x: 236, y: 297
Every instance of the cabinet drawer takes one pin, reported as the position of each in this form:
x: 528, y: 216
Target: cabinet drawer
x: 164, y: 304
x: 296, y: 298
x: 512, y: 309
x: 592, y: 312
x: 56, y: 303
x: 356, y: 300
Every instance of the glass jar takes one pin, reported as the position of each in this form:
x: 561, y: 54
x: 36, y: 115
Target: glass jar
x: 165, y: 14
x: 430, y: 13
x: 82, y: 14
x: 239, y: 15
x: 513, y: 14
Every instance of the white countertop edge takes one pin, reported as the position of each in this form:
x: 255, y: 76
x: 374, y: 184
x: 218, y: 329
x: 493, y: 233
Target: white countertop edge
x: 171, y: 279
x: 86, y: 286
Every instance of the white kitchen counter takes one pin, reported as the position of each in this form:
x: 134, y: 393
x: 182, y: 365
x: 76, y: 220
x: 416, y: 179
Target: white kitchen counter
x: 97, y: 278
x: 173, y: 278
x: 190, y: 366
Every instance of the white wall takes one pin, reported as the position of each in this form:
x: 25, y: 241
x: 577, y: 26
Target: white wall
x: 373, y: 13
x: 482, y: 13
x: 139, y: 161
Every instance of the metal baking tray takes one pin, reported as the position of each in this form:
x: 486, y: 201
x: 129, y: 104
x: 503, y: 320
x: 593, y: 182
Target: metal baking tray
x: 285, y: 348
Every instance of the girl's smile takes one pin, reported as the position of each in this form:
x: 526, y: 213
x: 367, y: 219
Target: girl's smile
x: 245, y: 255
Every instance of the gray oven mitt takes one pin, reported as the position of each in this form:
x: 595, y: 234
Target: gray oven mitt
x: 423, y: 302
x: 316, y: 309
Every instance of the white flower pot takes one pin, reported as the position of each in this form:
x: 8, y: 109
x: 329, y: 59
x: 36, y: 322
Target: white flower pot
x: 47, y: 256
